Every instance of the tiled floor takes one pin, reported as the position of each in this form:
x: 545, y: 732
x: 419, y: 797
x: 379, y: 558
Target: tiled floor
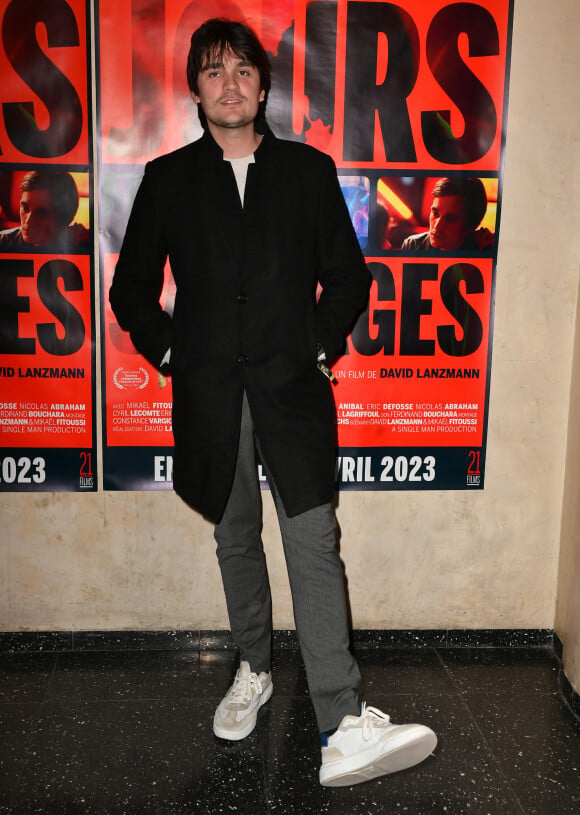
x: 129, y: 733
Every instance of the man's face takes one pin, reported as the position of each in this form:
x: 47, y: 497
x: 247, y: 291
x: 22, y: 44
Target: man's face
x: 38, y: 218
x: 447, y: 227
x: 229, y: 92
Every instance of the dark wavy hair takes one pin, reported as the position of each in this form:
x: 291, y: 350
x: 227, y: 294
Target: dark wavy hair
x: 472, y: 193
x: 212, y: 39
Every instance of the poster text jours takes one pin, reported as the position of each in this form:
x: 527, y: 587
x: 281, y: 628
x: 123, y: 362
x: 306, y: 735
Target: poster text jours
x: 47, y: 365
x: 401, y: 95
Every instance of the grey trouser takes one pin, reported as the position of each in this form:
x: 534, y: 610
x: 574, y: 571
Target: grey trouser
x: 316, y: 581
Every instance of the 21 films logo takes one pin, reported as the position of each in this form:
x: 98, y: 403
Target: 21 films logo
x: 473, y: 476
x: 86, y: 477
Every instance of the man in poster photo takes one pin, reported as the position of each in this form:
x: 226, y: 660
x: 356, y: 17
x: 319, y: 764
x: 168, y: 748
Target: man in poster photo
x: 251, y: 224
x: 49, y: 201
x: 458, y: 207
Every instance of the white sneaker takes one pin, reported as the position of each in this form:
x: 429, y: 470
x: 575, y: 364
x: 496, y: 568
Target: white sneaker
x: 368, y: 746
x: 237, y: 713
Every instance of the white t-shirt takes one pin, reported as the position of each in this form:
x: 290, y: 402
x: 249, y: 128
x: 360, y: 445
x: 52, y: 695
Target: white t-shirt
x: 240, y: 168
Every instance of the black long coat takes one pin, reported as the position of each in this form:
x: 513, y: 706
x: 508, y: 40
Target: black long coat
x: 246, y: 314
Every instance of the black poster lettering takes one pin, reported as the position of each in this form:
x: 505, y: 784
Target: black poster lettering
x: 42, y: 76
x: 48, y: 290
x: 461, y: 85
x: 50, y: 275
x: 453, y: 300
x: 320, y: 68
x: 413, y: 306
x: 12, y: 304
x: 362, y: 95
x: 382, y: 319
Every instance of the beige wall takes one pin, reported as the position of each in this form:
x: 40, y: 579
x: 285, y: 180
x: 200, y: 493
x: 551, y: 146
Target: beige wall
x: 568, y: 601
x: 421, y: 560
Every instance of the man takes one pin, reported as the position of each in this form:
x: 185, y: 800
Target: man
x: 48, y: 202
x: 458, y: 207
x: 247, y: 248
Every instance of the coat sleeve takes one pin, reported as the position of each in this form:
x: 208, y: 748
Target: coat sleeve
x: 139, y: 274
x: 342, y: 272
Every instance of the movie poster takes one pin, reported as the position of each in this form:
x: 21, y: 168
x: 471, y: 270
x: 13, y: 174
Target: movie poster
x: 47, y: 338
x: 410, y: 100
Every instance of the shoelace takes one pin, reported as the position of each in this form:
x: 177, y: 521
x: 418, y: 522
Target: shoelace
x: 243, y: 686
x: 371, y: 717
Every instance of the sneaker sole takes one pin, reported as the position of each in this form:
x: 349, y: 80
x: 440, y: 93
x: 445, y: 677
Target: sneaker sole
x: 238, y: 735
x: 348, y: 772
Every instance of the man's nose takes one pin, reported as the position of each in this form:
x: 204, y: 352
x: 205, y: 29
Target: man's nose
x: 231, y: 80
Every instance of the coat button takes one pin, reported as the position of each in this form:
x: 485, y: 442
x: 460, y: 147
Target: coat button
x: 242, y: 359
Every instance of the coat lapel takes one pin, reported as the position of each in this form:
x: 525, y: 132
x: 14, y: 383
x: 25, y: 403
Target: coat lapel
x: 260, y: 187
x: 221, y: 208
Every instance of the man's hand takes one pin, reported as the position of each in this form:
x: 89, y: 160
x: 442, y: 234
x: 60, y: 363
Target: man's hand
x: 483, y: 237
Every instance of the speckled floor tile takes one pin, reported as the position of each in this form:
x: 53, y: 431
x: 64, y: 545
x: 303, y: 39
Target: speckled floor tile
x: 125, y: 758
x: 502, y: 670
x: 402, y: 670
x: 288, y: 674
x: 130, y: 733
x: 461, y: 777
x: 25, y: 677
x: 536, y: 739
x: 148, y: 675
x: 35, y: 641
x: 135, y: 640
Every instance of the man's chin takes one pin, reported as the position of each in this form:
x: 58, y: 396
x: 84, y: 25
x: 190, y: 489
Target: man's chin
x: 438, y: 244
x: 31, y: 241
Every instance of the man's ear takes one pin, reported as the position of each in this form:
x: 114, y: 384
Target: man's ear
x: 262, y: 96
x: 195, y: 98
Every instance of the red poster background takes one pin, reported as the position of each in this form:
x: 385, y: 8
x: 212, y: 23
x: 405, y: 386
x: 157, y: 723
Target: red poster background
x: 437, y: 400
x: 414, y: 399
x: 45, y: 56
x: 47, y: 342
x: 153, y: 45
x: 47, y: 399
x: 138, y: 406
